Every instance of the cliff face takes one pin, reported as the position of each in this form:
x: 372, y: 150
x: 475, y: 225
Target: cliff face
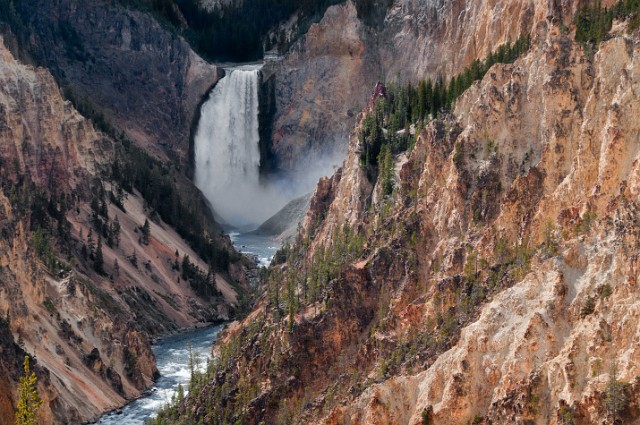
x: 319, y: 89
x: 496, y: 283
x: 89, y: 329
x: 145, y: 80
x: 323, y: 79
x: 546, y: 153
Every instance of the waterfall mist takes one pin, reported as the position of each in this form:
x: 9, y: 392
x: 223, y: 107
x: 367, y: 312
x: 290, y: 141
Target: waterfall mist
x: 227, y: 152
x: 227, y: 156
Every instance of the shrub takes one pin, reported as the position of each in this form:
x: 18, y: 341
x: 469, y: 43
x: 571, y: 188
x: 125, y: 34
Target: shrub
x: 588, y: 307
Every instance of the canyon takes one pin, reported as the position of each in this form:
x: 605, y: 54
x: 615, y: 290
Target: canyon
x: 494, y: 284
x: 89, y: 332
x: 484, y: 272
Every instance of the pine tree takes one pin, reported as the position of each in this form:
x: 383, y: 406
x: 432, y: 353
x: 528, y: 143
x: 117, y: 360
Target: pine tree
x: 180, y: 397
x: 176, y: 262
x: 98, y: 262
x: 116, y: 268
x: 146, y: 231
x: 115, y: 231
x: 386, y: 169
x: 28, y: 399
x: 90, y: 243
x: 615, y: 397
x: 186, y: 267
x: 422, y: 100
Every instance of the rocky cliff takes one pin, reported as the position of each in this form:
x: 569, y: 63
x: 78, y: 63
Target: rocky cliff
x: 84, y: 288
x: 120, y: 62
x: 542, y: 158
x: 496, y: 281
x: 320, y: 80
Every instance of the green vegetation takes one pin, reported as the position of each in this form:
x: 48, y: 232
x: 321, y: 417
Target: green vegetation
x: 45, y: 217
x: 386, y: 167
x: 605, y: 291
x: 615, y: 398
x: 46, y: 253
x: 28, y: 399
x: 565, y: 415
x: 202, y: 283
x: 550, y: 240
x: 48, y: 303
x: 593, y: 22
x: 588, y: 307
x: 10, y: 15
x: 156, y: 182
x: 387, y: 130
x: 426, y: 416
x: 584, y: 224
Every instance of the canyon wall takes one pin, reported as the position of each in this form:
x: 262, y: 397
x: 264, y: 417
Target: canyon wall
x: 146, y: 81
x: 323, y: 81
x: 495, y: 283
x: 88, y: 326
x: 543, y: 147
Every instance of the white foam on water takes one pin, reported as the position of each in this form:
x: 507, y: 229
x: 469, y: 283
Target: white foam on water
x: 173, y: 363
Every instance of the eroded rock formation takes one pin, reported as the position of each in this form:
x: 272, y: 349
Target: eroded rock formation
x: 496, y: 284
x: 89, y: 330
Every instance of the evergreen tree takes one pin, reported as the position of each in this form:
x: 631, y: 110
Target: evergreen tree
x: 615, y: 397
x: 28, y: 399
x: 186, y: 267
x: 90, y: 244
x: 176, y: 261
x: 134, y: 259
x: 386, y: 169
x: 115, y: 231
x: 429, y: 105
x: 180, y: 397
x: 98, y: 262
x: 116, y: 268
x: 422, y: 100
x: 146, y: 231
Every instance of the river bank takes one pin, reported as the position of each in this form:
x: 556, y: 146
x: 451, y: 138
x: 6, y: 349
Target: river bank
x: 172, y: 357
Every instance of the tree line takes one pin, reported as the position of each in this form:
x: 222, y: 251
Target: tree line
x: 593, y: 22
x: 403, y: 105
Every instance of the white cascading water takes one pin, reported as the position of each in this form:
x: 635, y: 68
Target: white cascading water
x: 227, y: 152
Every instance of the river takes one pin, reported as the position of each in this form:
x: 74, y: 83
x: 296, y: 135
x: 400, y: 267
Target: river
x: 172, y: 356
x: 259, y: 247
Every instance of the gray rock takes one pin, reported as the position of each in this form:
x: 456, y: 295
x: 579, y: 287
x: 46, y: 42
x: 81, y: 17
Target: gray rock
x: 284, y: 223
x: 144, y: 79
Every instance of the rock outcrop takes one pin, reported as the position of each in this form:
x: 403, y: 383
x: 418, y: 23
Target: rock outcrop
x: 145, y: 80
x: 284, y: 223
x: 323, y: 80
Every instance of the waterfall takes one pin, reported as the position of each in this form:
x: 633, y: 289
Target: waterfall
x: 227, y: 151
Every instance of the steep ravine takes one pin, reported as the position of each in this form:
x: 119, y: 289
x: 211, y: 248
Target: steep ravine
x: 495, y: 284
x: 87, y: 318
